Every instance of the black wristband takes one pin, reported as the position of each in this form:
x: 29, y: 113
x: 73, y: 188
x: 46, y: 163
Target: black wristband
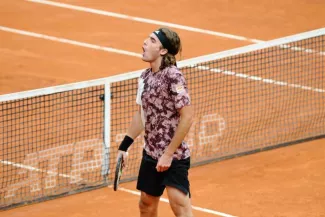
x: 126, y: 143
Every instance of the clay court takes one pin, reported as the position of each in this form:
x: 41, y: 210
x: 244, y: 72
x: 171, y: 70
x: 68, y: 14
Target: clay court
x: 35, y: 53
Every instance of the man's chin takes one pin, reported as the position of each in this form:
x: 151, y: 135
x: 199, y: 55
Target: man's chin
x: 144, y: 59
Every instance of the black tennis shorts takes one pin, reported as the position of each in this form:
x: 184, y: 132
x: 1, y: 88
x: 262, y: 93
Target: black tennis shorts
x: 154, y: 183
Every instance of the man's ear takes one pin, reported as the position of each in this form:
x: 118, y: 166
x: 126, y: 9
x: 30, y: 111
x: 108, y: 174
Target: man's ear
x: 163, y: 51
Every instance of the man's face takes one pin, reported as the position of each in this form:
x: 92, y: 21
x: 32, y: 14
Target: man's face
x: 152, y: 49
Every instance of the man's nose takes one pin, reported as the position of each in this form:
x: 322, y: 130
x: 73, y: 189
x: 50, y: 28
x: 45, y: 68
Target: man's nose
x: 145, y: 41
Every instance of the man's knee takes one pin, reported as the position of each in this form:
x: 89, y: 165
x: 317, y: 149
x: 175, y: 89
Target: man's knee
x: 181, y: 209
x: 145, y: 205
x: 148, y: 204
x: 179, y: 202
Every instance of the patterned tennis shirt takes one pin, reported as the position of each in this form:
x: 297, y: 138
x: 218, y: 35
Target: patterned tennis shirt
x: 161, y: 95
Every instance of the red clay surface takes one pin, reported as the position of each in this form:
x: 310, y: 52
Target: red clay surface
x: 286, y: 182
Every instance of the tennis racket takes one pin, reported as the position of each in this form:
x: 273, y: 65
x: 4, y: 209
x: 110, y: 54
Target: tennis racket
x: 118, y: 172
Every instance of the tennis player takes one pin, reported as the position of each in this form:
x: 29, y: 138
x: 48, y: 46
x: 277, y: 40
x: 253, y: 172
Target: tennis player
x: 165, y: 114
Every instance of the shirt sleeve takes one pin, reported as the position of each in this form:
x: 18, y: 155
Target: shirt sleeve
x: 179, y: 90
x: 140, y: 90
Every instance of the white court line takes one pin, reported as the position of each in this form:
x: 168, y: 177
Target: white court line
x: 144, y: 20
x: 172, y: 25
x: 213, y: 212
x: 68, y: 41
x: 121, y: 189
x: 260, y: 79
x: 33, y: 168
x: 30, y: 168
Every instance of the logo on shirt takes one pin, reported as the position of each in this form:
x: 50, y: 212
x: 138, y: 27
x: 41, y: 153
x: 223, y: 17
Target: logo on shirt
x: 180, y: 89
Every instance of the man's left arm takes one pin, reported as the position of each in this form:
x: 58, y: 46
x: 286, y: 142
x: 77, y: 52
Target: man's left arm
x: 186, y: 119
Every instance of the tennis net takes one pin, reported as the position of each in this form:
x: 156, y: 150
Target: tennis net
x: 61, y: 140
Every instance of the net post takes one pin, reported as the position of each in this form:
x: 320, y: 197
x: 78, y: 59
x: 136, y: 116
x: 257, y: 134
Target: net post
x: 107, y: 130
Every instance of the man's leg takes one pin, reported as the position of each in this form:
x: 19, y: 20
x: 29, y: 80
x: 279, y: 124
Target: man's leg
x: 150, y: 185
x: 148, y: 205
x: 179, y: 202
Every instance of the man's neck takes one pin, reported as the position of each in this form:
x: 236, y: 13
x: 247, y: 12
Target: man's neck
x: 155, y: 66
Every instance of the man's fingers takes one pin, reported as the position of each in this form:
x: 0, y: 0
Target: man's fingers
x: 125, y: 159
x: 157, y: 168
x: 124, y: 156
x: 160, y: 168
x: 118, y: 156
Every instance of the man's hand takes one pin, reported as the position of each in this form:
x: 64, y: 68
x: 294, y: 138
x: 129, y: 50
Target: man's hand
x: 164, y: 162
x: 125, y: 157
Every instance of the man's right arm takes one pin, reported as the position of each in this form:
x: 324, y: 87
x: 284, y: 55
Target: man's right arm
x: 136, y: 126
x: 134, y: 130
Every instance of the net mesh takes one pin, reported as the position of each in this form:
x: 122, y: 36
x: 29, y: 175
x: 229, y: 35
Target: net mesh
x: 50, y: 144
x: 54, y: 144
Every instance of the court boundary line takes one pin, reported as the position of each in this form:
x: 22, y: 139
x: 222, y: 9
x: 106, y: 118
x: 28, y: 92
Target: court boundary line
x: 27, y: 167
x: 69, y: 41
x: 145, y: 20
x: 161, y: 23
x: 162, y: 199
